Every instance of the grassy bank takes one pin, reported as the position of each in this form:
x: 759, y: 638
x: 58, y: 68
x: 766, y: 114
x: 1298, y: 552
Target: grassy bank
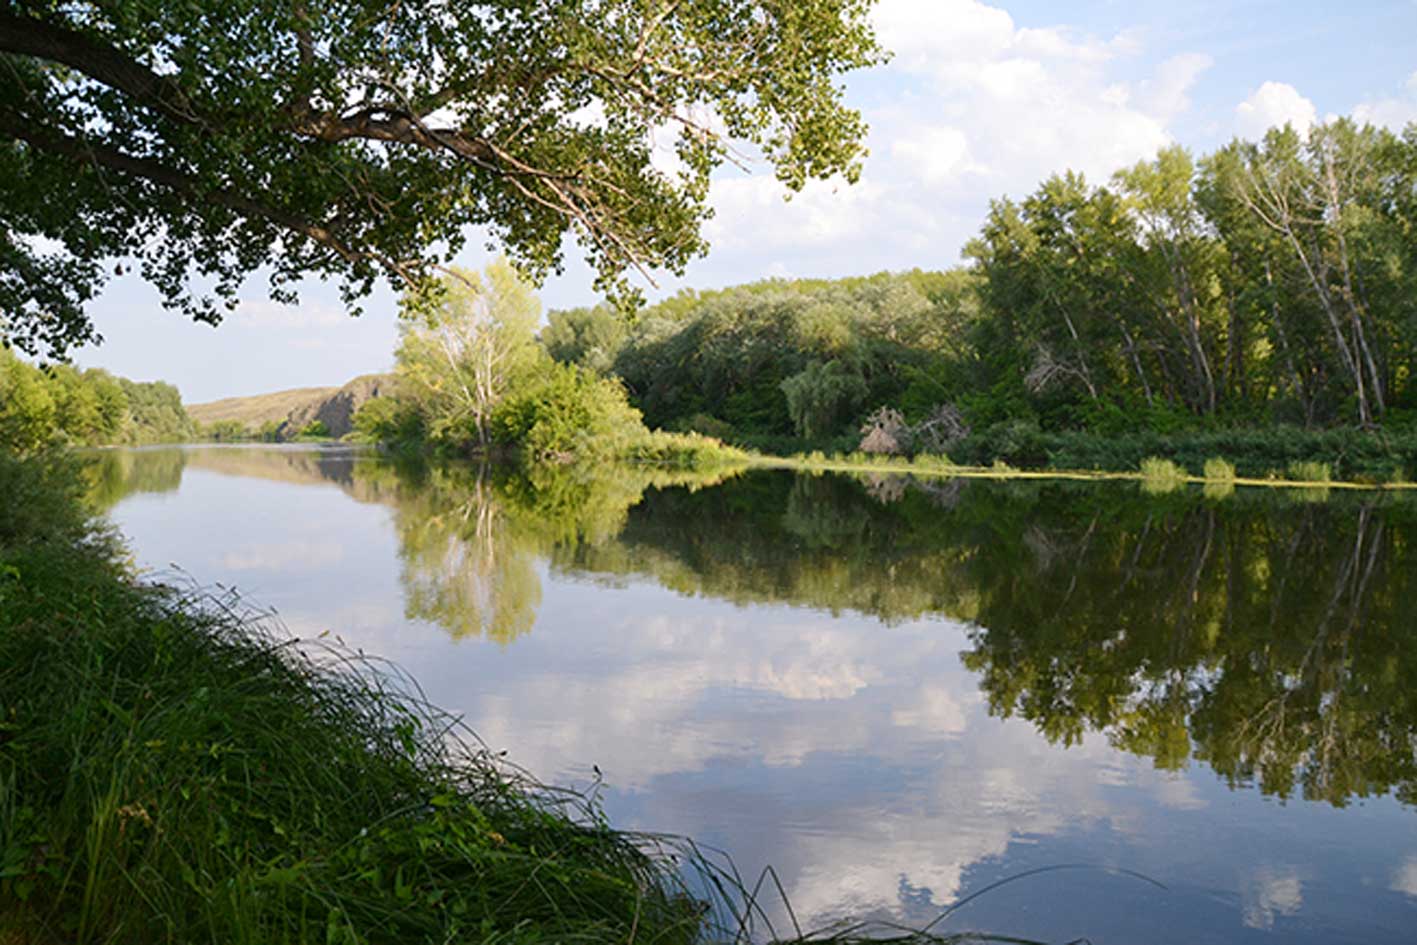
x: 1156, y: 474
x: 172, y: 769
x: 1280, y: 457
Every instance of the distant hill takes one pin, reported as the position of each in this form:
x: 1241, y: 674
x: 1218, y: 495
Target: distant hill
x: 294, y: 410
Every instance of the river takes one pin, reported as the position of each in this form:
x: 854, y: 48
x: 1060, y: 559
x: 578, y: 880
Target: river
x: 1201, y: 708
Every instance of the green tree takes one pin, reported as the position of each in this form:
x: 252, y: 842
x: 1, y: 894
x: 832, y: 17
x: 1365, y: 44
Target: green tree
x: 356, y: 140
x: 155, y: 414
x: 565, y: 412
x: 591, y: 337
x: 1173, y: 266
x: 465, y: 339
x: 821, y: 396
x: 26, y: 407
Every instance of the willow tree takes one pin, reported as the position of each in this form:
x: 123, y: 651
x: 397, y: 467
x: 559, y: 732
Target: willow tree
x: 361, y: 140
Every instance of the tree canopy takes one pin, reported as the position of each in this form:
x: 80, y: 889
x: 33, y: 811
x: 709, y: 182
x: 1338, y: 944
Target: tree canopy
x: 361, y: 140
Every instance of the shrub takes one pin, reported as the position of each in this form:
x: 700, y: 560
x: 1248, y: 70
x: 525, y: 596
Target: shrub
x: 1160, y: 476
x: 1154, y: 467
x: 1310, y: 471
x: 567, y: 413
x: 1218, y: 470
x: 703, y: 424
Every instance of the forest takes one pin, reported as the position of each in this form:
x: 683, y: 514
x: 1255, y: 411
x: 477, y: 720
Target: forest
x: 61, y: 405
x: 1260, y: 300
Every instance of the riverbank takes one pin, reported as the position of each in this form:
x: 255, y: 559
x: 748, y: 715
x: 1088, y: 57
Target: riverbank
x: 1159, y: 474
x: 174, y: 768
x: 1283, y: 458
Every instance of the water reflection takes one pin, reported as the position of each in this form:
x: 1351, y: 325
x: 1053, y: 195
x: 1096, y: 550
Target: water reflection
x: 897, y: 691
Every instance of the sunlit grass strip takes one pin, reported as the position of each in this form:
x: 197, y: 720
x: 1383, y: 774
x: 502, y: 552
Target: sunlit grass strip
x: 859, y: 462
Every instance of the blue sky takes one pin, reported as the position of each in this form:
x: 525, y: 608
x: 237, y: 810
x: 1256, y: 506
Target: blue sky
x: 980, y: 100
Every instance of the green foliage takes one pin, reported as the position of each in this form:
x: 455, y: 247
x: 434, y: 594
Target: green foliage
x: 1310, y: 471
x: 315, y: 429
x: 175, y: 120
x: 471, y: 378
x: 589, y: 337
x: 389, y: 419
x: 1161, y: 470
x: 61, y: 405
x: 464, y: 342
x: 1160, y: 476
x: 27, y: 415
x: 228, y: 431
x: 1187, y: 292
x: 1218, y: 470
x: 155, y: 414
x: 728, y: 353
x: 705, y: 425
x: 566, y: 412
x: 1353, y: 455
x: 822, y: 396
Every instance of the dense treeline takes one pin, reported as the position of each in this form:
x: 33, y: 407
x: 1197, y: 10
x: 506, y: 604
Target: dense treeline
x: 60, y: 404
x: 1267, y: 283
x: 781, y: 359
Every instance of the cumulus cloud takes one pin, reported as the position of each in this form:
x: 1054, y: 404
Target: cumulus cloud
x: 1395, y: 112
x: 1273, y: 105
x: 1168, y: 94
x: 1405, y: 879
x: 979, y: 107
x: 1269, y: 893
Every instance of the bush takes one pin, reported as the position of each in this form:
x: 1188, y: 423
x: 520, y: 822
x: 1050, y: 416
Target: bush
x: 388, y: 420
x: 1218, y: 470
x: 681, y: 451
x: 567, y: 413
x: 1310, y: 471
x: 1161, y: 475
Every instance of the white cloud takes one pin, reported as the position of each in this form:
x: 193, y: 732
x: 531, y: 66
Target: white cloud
x: 979, y: 107
x: 1395, y: 112
x: 1168, y: 94
x: 1405, y: 879
x: 1273, y: 105
x: 1269, y: 893
x: 934, y: 154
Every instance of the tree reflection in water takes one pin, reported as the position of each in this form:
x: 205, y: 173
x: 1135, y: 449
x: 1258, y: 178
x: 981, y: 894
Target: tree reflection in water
x: 1272, y: 638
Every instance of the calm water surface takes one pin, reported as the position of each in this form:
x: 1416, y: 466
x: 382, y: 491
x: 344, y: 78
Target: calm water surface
x: 895, y: 692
